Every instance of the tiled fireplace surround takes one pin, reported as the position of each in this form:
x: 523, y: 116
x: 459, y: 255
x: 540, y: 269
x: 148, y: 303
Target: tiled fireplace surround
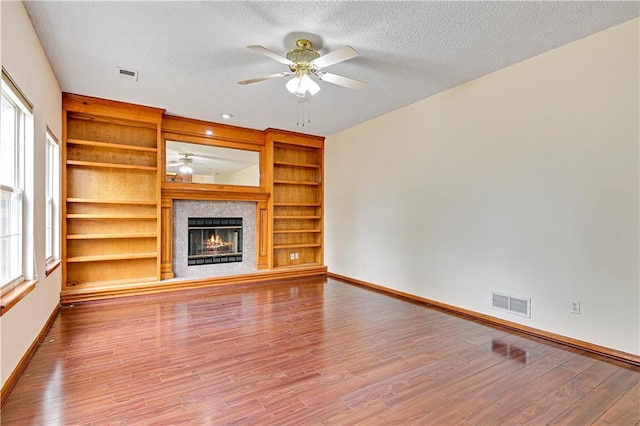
x: 184, y: 209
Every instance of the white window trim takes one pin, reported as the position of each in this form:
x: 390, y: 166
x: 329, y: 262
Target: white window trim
x: 13, y: 94
x: 52, y: 197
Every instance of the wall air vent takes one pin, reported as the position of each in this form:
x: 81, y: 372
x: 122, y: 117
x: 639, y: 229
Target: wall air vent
x: 514, y: 304
x: 128, y: 74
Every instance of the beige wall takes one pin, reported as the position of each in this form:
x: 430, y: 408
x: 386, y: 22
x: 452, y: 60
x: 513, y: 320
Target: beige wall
x: 23, y: 58
x: 525, y: 181
x: 249, y: 176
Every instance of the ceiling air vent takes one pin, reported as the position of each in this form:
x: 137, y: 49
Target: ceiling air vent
x: 514, y: 304
x: 128, y: 74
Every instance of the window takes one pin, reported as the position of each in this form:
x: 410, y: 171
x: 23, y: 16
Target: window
x: 16, y: 123
x: 52, y: 189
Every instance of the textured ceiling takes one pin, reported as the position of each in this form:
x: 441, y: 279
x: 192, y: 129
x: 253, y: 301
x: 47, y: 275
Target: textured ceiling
x: 190, y: 55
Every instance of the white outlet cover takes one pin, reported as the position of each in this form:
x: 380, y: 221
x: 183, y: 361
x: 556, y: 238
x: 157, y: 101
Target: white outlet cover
x: 574, y: 306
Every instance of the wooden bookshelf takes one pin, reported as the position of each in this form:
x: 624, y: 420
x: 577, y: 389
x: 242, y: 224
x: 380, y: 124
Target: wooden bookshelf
x: 111, y: 193
x: 297, y: 198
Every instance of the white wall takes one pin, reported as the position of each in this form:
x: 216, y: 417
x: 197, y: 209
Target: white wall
x: 23, y: 58
x: 525, y: 181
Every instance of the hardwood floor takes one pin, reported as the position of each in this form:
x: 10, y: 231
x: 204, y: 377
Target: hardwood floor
x: 307, y: 352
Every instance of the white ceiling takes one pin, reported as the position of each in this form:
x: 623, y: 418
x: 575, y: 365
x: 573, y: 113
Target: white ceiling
x: 190, y: 55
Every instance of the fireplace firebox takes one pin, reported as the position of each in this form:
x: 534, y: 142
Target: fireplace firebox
x: 214, y: 240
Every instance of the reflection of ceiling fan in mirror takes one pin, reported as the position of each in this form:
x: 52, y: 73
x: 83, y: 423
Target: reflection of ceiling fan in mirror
x: 184, y: 163
x: 208, y: 162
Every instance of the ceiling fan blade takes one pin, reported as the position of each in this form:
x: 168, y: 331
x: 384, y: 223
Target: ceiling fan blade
x: 331, y: 58
x: 349, y: 83
x: 172, y: 164
x: 271, y: 54
x: 211, y: 157
x: 266, y: 77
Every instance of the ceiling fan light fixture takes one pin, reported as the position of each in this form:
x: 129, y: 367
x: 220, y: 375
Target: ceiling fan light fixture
x: 299, y: 85
x: 185, y: 169
x: 301, y: 55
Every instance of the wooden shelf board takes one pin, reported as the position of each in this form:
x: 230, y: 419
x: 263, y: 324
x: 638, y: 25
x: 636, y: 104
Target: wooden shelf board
x: 104, y: 201
x: 290, y: 164
x: 107, y: 257
x: 304, y: 245
x: 295, y: 182
x: 297, y: 217
x: 296, y: 204
x: 297, y: 266
x: 111, y: 145
x: 108, y: 236
x: 110, y: 283
x: 296, y: 231
x: 109, y: 165
x: 110, y: 216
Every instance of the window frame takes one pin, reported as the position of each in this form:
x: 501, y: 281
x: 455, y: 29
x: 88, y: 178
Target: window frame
x: 16, y: 286
x: 52, y: 198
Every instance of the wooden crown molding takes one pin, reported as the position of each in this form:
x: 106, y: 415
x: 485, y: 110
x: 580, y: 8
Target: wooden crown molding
x: 112, y: 109
x: 212, y: 131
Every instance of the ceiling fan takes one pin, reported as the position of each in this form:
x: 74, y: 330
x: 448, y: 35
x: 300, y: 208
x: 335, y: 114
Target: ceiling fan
x: 303, y: 61
x: 184, y: 163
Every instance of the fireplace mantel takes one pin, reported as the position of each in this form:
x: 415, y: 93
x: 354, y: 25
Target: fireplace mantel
x: 195, y: 191
x: 172, y: 191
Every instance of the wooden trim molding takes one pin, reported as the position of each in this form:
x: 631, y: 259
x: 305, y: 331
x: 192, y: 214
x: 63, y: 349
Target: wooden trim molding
x: 557, y: 338
x: 88, y: 294
x: 8, y: 386
x: 275, y: 135
x: 11, y: 295
x: 52, y: 266
x: 195, y: 191
x: 166, y: 239
x: 109, y: 108
x: 213, y: 131
x: 262, y: 235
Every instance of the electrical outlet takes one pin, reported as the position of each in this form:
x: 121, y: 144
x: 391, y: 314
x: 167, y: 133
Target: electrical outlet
x: 364, y: 265
x: 296, y: 254
x: 292, y: 256
x: 574, y: 306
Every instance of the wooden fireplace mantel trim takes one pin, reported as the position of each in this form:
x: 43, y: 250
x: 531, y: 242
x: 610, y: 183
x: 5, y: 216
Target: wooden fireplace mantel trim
x: 206, y: 192
x: 194, y: 191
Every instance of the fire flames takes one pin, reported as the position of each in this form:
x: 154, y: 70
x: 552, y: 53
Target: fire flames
x: 216, y: 244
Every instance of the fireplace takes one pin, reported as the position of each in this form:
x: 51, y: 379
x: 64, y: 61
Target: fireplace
x: 214, y: 240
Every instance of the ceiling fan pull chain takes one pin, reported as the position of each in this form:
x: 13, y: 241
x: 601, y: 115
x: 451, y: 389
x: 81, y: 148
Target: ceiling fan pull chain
x: 303, y: 111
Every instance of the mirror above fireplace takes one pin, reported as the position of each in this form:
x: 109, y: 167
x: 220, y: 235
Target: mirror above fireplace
x: 198, y: 163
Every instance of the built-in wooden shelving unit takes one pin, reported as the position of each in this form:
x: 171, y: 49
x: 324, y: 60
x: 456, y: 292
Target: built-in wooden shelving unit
x: 117, y: 209
x: 296, y: 201
x: 111, y: 193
